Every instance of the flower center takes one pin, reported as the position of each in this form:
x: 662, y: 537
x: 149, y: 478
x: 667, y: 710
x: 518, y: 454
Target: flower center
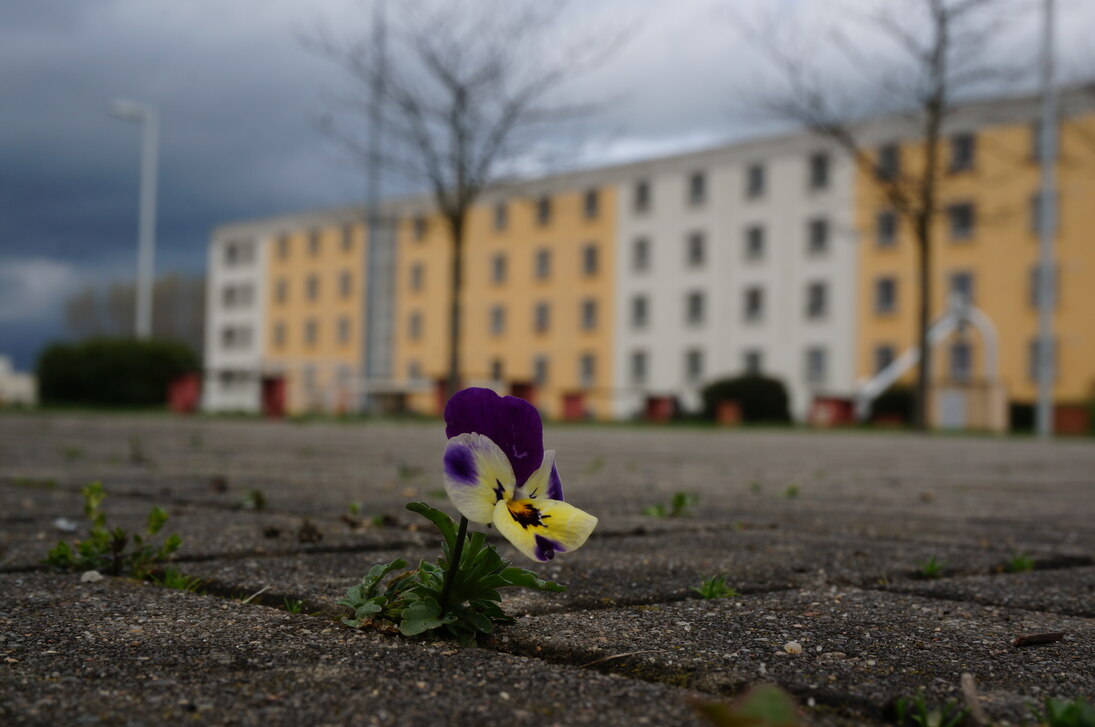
x: 526, y: 514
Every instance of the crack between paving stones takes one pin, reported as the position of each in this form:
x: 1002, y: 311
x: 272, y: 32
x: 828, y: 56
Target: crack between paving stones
x: 979, y: 600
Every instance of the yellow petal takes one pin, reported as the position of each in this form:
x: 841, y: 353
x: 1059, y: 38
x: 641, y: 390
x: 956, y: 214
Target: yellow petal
x: 541, y: 528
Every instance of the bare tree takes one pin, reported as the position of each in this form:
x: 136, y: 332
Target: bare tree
x: 465, y: 91
x: 942, y: 46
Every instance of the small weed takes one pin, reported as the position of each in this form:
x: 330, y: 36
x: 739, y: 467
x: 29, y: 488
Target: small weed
x: 36, y: 483
x: 354, y: 509
x: 1020, y: 563
x: 383, y: 520
x: 791, y: 492
x: 949, y: 715
x: 754, y: 487
x: 765, y: 705
x: 680, y: 505
x: 171, y: 578
x: 253, y: 500
x: 71, y: 454
x: 106, y: 548
x: 294, y: 606
x: 1065, y: 713
x: 932, y: 568
x: 715, y: 587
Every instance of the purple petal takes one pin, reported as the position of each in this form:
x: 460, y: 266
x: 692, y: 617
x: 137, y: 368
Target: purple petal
x: 511, y: 423
x: 546, y: 548
x: 460, y: 465
x: 555, y: 485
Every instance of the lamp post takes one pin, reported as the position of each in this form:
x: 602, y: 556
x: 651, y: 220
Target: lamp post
x: 149, y: 119
x: 1048, y: 229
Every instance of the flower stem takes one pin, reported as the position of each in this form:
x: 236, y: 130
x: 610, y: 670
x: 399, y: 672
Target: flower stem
x: 454, y: 564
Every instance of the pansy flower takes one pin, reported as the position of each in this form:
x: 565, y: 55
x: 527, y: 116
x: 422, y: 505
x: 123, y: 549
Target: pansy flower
x: 496, y: 471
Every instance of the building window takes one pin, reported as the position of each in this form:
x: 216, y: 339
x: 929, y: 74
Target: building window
x: 1033, y: 363
x: 497, y: 320
x: 1035, y: 286
x: 754, y: 181
x: 693, y: 365
x: 311, y: 332
x: 413, y: 371
x: 228, y: 296
x: 885, y: 295
x: 347, y: 238
x: 501, y: 216
x: 816, y: 364
x: 589, y: 314
x: 886, y: 228
x: 498, y: 268
x: 540, y: 367
x: 883, y: 357
x: 697, y: 189
x: 344, y: 329
x: 543, y: 211
x: 963, y: 150
x: 961, y: 286
x: 754, y: 303
x: 236, y: 337
x: 589, y: 259
x: 414, y: 326
x: 591, y: 204
x: 694, y: 308
x: 279, y: 335
x: 314, y: 242
x: 889, y: 162
x: 753, y: 361
x: 309, y: 376
x: 961, y: 218
x: 418, y: 275
x: 345, y: 284
x: 961, y: 361
x: 283, y: 247
x: 587, y: 370
x: 311, y: 287
x: 543, y: 263
x: 819, y: 170
x: 754, y: 242
x: 281, y: 290
x: 696, y: 249
x: 817, y: 236
x: 638, y: 368
x: 238, y: 252
x: 421, y: 226
x: 642, y: 196
x: 541, y: 317
x: 496, y: 369
x: 817, y: 300
x: 640, y: 254
x: 640, y: 311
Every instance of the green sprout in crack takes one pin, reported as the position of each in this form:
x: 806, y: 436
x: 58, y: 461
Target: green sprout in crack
x: 764, y: 705
x: 715, y: 587
x: 680, y: 505
x: 295, y: 605
x: 932, y: 568
x: 354, y: 509
x: 1020, y: 563
x: 114, y: 550
x: 413, y: 599
x: 918, y: 713
x: 171, y: 578
x: 1065, y: 713
x: 253, y: 500
x: 791, y: 492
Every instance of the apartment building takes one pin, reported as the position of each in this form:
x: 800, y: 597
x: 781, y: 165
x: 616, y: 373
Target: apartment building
x: 732, y: 261
x: 986, y: 248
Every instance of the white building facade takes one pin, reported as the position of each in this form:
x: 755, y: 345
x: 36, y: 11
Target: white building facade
x: 739, y: 259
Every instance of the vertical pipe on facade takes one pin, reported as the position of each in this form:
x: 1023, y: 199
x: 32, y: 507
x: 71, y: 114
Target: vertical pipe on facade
x: 372, y: 212
x: 1048, y: 214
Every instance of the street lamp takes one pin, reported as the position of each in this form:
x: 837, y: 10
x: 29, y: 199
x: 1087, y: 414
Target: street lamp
x: 149, y: 119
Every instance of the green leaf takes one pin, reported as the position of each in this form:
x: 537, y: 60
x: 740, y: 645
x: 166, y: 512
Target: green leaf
x: 421, y: 616
x: 169, y: 546
x: 762, y: 706
x: 60, y: 555
x: 93, y: 499
x: 443, y: 522
x: 156, y: 519
x: 527, y: 579
x: 376, y: 575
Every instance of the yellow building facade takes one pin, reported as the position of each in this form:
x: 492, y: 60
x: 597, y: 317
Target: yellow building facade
x: 315, y: 299
x: 986, y: 247
x: 537, y: 303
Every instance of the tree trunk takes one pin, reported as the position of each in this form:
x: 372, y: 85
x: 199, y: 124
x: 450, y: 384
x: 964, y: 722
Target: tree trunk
x: 923, y: 321
x: 456, y: 223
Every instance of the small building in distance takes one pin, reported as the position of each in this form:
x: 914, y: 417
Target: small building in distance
x: 16, y: 389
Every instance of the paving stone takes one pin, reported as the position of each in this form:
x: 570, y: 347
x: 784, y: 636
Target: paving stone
x: 1062, y: 590
x: 860, y: 649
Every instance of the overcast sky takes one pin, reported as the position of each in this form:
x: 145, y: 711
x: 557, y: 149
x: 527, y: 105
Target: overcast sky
x: 240, y: 101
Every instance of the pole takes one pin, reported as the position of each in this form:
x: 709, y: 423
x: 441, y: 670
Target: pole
x: 372, y: 212
x: 146, y: 248
x: 1048, y: 214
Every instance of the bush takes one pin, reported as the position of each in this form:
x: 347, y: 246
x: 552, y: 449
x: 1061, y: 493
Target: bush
x: 112, y: 371
x: 896, y: 402
x: 761, y: 398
